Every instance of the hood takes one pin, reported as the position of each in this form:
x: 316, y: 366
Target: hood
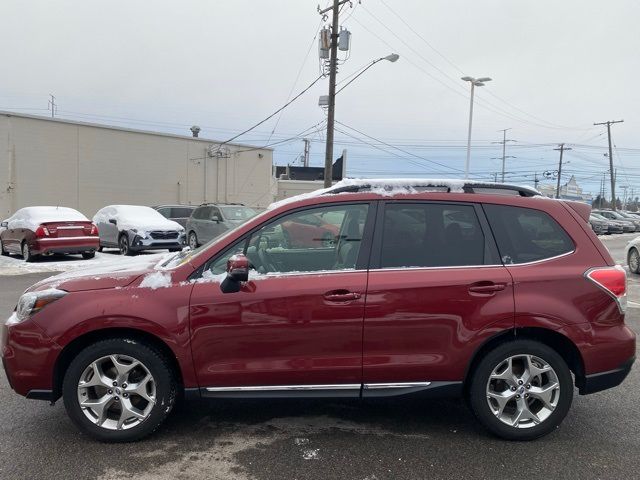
x: 151, y: 226
x: 98, y: 278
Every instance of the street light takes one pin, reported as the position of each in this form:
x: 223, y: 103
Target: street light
x: 475, y: 82
x: 393, y: 57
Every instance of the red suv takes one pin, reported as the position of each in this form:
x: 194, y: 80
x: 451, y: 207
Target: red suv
x: 439, y: 288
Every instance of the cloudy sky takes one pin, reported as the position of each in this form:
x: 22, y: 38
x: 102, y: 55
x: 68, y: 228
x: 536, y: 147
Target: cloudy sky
x: 557, y: 68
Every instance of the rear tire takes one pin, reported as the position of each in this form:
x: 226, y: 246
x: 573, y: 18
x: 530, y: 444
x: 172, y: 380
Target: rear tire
x: 633, y: 260
x: 26, y: 253
x: 513, y: 405
x: 88, y: 255
x: 110, y: 414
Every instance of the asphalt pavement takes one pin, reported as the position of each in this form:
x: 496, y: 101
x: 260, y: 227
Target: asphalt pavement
x: 390, y: 439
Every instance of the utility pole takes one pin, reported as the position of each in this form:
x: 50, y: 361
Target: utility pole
x: 535, y: 180
x: 504, y: 150
x: 624, y: 196
x: 307, y: 143
x: 561, y: 148
x: 52, y: 105
x: 613, y: 179
x: 333, y: 62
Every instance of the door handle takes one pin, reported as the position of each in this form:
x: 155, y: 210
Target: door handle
x: 487, y: 288
x: 341, y: 296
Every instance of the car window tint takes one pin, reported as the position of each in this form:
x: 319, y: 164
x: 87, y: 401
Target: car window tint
x: 181, y: 212
x: 165, y: 212
x: 318, y: 239
x: 526, y: 235
x: 430, y: 235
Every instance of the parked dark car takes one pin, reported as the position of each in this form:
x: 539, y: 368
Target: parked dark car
x: 614, y: 226
x: 178, y: 213
x: 627, y: 225
x: 211, y: 220
x: 134, y: 228
x: 599, y: 225
x: 35, y: 231
x: 510, y: 310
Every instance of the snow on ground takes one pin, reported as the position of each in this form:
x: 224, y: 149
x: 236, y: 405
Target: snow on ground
x: 15, y: 265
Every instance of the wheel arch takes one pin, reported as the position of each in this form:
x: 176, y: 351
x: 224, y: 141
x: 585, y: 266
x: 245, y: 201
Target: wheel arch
x: 74, y: 347
x: 557, y: 341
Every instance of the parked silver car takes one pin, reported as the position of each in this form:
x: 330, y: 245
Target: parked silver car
x: 178, y: 213
x: 210, y: 220
x: 627, y: 225
x: 133, y: 228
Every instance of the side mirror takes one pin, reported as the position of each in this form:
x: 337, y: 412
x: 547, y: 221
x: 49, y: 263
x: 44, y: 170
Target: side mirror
x: 4, y: 224
x: 216, y: 219
x: 237, y: 272
x: 113, y: 220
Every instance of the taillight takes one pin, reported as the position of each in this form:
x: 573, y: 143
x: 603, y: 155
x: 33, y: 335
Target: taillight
x: 612, y: 280
x: 42, y: 231
x: 94, y: 230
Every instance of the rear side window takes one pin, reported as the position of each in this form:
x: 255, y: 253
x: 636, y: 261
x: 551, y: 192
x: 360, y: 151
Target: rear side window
x: 526, y: 235
x: 431, y: 235
x: 181, y: 212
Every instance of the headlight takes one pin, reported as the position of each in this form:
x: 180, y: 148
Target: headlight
x: 32, y: 302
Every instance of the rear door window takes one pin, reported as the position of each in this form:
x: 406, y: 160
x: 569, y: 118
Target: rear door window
x: 526, y: 235
x: 181, y: 212
x: 431, y: 235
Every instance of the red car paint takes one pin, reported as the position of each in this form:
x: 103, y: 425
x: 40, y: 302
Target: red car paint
x: 343, y: 327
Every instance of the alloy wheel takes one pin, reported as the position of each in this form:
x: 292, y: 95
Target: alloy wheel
x: 634, y: 261
x: 26, y: 252
x: 116, y: 392
x: 523, y: 391
x: 193, y: 241
x: 124, y: 245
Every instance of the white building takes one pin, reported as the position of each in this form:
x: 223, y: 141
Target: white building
x: 45, y: 161
x: 569, y: 191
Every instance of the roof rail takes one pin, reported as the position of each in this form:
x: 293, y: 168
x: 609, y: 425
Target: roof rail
x: 458, y: 186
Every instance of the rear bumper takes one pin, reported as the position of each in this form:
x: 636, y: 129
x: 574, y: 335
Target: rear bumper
x: 43, y: 246
x: 602, y: 381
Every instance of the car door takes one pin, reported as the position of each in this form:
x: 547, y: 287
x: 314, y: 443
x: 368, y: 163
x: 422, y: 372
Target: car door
x: 8, y: 234
x: 107, y: 230
x: 216, y: 223
x: 436, y: 292
x: 296, y: 325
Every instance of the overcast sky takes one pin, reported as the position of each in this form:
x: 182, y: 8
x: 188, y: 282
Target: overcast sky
x: 557, y: 67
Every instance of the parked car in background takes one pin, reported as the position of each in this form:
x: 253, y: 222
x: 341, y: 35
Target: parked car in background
x: 134, y: 228
x: 211, y: 220
x: 627, y: 225
x: 633, y: 255
x: 35, y: 231
x: 178, y: 213
x: 507, y: 300
x: 632, y: 218
x: 599, y: 225
x: 613, y: 225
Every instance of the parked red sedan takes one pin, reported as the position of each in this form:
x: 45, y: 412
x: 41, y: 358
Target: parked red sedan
x: 490, y: 292
x: 35, y: 231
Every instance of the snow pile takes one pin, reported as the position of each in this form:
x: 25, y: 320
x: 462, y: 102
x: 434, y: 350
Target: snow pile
x: 156, y: 280
x: 136, y: 217
x: 32, y: 217
x: 107, y: 262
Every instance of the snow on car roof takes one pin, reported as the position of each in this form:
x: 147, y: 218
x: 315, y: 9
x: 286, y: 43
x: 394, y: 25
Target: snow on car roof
x: 32, y: 217
x: 389, y: 187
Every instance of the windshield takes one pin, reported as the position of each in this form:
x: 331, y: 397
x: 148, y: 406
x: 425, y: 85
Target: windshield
x: 238, y: 213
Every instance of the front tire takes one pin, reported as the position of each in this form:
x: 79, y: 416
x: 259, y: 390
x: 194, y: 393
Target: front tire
x: 119, y: 390
x: 3, y: 252
x: 124, y: 246
x: 633, y: 260
x: 193, y: 240
x: 521, y: 390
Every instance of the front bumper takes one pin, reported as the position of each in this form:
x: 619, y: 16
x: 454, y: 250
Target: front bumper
x: 45, y: 246
x: 138, y: 243
x: 28, y: 358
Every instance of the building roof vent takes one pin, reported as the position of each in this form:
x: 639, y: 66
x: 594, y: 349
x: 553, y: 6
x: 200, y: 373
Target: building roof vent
x: 195, y: 130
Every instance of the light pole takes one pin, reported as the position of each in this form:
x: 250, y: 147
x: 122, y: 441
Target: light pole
x: 328, y: 160
x: 475, y: 82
